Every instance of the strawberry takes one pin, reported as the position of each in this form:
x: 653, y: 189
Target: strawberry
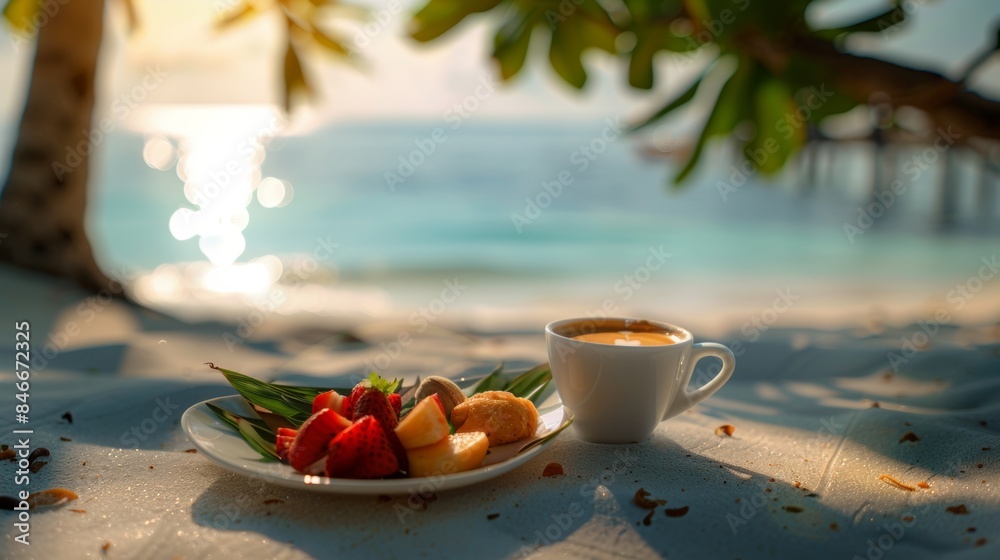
x: 373, y: 401
x: 371, y: 396
x: 283, y: 440
x: 310, y: 443
x: 361, y: 451
x: 344, y: 449
x: 332, y: 400
x: 356, y: 393
x: 374, y: 381
x: 377, y: 459
x: 396, y: 400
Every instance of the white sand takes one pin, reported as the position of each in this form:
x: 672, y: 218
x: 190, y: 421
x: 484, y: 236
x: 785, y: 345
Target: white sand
x: 801, y: 401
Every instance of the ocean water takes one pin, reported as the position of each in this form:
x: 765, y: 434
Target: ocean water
x: 476, y: 211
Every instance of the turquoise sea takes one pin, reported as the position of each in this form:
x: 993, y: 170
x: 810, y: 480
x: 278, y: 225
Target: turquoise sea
x: 477, y: 209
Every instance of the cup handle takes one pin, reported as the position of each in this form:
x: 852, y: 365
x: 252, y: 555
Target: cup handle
x: 686, y: 399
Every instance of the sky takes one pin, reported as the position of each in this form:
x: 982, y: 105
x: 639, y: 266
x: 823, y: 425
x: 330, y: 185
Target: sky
x: 401, y: 79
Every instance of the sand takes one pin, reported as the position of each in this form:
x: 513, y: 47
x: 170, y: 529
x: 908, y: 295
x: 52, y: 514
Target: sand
x: 825, y: 421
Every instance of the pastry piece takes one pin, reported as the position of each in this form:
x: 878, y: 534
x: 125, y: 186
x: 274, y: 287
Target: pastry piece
x: 498, y: 414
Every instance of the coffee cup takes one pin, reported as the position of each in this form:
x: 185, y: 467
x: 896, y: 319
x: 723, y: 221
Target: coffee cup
x: 621, y: 377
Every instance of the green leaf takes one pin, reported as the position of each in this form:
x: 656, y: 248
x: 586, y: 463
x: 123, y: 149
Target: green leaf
x: 510, y: 45
x: 640, y: 66
x: 835, y: 104
x: 777, y: 137
x: 19, y: 15
x: 492, y: 382
x: 730, y: 107
x: 813, y: 94
x: 382, y: 384
x: 574, y: 36
x: 234, y: 419
x: 875, y: 24
x: 309, y: 393
x: 280, y: 400
x: 254, y: 431
x: 533, y: 394
x: 678, y: 102
x: 440, y: 16
x: 651, y: 38
x: 699, y: 11
x: 564, y: 56
x: 531, y: 383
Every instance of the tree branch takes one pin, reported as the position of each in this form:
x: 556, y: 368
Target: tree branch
x: 946, y: 102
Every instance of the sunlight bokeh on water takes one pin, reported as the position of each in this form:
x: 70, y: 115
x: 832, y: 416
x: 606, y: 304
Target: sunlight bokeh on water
x: 216, y: 152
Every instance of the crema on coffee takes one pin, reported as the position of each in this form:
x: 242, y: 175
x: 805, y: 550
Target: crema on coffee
x: 628, y: 338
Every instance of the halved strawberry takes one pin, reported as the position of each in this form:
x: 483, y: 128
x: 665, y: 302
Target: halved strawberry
x: 313, y: 437
x: 374, y: 403
x: 283, y: 440
x: 376, y: 458
x: 344, y: 449
x: 332, y: 400
x: 361, y: 451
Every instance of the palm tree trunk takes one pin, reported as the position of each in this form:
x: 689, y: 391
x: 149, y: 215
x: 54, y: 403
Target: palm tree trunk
x: 43, y: 205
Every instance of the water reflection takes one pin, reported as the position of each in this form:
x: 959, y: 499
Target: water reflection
x: 217, y: 155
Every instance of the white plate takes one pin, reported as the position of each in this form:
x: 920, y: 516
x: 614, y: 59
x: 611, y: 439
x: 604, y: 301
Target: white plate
x: 223, y: 445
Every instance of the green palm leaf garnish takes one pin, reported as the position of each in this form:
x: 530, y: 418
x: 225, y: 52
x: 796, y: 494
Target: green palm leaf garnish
x: 254, y: 431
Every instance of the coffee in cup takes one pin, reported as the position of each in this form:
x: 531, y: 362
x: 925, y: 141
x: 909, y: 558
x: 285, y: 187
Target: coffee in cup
x: 621, y: 377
